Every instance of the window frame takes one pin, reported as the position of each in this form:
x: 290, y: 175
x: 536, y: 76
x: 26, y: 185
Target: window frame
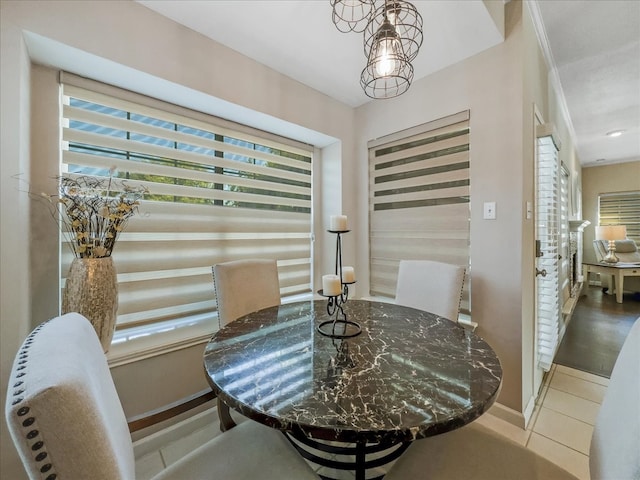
x: 137, y: 342
x: 627, y: 211
x: 422, y: 169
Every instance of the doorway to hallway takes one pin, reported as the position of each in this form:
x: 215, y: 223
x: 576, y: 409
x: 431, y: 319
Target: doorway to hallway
x: 596, y: 331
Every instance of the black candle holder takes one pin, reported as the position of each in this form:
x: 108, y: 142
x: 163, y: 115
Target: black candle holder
x: 335, y: 302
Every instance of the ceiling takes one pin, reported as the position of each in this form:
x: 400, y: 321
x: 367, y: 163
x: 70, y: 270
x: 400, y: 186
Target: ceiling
x: 595, y: 45
x: 596, y: 50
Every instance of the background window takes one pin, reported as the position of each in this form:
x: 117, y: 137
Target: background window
x: 621, y: 208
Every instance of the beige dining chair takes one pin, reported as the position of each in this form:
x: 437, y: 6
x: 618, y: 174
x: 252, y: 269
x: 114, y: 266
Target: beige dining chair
x: 66, y: 420
x: 245, y: 286
x: 435, y: 287
x: 242, y: 287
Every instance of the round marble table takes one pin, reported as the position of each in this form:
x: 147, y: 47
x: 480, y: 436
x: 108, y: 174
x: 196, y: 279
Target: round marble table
x: 410, y: 374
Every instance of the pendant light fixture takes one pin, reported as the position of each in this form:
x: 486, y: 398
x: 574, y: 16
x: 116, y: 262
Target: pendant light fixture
x: 352, y: 15
x: 388, y: 72
x: 392, y: 38
x: 406, y: 21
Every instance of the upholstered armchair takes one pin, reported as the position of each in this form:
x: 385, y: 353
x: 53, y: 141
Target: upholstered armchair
x: 627, y: 252
x: 66, y: 420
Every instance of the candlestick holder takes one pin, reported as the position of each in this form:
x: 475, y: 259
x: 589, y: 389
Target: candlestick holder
x: 347, y: 328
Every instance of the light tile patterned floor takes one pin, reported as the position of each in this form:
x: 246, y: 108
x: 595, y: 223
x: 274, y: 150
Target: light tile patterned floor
x: 560, y: 429
x: 563, y: 424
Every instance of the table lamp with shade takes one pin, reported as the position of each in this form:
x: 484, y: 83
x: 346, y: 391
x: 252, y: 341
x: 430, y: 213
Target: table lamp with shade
x: 611, y: 233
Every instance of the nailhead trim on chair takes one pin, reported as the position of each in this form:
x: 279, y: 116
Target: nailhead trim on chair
x: 215, y: 288
x: 31, y: 431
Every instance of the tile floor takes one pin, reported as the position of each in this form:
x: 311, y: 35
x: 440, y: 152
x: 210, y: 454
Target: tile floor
x: 563, y: 419
x: 560, y: 428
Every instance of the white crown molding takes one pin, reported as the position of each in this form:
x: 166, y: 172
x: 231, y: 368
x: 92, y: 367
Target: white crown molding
x: 543, y: 41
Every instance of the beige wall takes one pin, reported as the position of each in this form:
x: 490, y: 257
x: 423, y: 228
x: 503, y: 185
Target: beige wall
x: 109, y: 41
x: 490, y: 85
x: 620, y: 177
x: 502, y: 87
x: 542, y: 99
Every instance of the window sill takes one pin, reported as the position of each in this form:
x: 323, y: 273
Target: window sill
x: 134, y: 344
x: 138, y: 343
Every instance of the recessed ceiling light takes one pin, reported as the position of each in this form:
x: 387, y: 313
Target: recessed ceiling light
x: 615, y: 133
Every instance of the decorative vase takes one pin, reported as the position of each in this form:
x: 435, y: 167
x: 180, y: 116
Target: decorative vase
x: 91, y: 289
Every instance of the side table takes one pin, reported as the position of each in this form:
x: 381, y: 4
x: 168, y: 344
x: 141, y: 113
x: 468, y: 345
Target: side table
x: 616, y: 270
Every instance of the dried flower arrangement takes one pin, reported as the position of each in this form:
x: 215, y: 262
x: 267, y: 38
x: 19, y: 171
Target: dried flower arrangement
x: 94, y: 212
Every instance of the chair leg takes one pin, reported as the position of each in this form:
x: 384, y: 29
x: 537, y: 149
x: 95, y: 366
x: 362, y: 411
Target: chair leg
x: 226, y: 422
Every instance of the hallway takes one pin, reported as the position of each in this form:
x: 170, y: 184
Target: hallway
x: 597, y: 330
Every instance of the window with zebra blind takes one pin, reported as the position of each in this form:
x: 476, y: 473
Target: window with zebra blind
x: 218, y: 191
x: 621, y: 208
x: 419, y: 200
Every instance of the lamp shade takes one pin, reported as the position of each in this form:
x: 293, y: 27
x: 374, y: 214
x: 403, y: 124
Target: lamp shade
x: 611, y: 232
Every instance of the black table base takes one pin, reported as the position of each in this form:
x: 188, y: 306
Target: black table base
x: 360, y: 450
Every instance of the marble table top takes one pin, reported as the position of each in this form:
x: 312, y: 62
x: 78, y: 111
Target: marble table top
x: 410, y: 374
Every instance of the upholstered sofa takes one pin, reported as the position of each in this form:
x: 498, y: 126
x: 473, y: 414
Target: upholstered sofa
x: 627, y: 252
x: 615, y: 444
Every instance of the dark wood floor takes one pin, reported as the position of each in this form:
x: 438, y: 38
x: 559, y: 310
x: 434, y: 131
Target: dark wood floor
x: 597, y: 330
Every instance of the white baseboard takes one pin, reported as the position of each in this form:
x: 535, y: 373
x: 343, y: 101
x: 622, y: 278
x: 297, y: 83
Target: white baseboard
x: 528, y: 411
x: 512, y: 416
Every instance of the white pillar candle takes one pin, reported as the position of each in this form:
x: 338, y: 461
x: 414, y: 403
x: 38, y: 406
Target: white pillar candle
x: 331, y: 285
x: 338, y: 223
x: 348, y: 275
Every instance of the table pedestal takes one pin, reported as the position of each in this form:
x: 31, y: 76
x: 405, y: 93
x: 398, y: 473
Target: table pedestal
x: 357, y: 454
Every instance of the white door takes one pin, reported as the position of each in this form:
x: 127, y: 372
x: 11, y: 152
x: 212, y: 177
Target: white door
x: 547, y: 215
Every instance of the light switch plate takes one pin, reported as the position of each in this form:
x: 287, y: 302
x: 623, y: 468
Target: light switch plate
x: 489, y: 210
